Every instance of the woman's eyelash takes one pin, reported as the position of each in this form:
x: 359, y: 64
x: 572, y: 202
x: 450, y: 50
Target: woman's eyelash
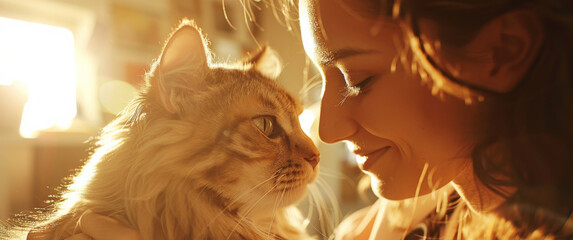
x: 354, y: 91
x: 361, y: 87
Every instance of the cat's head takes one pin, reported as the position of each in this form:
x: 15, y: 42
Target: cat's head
x: 225, y: 131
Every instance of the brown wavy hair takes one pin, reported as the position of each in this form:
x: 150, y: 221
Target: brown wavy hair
x: 527, y: 141
x: 530, y: 129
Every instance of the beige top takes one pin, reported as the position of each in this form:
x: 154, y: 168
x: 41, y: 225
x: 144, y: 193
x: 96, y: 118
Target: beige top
x: 391, y: 220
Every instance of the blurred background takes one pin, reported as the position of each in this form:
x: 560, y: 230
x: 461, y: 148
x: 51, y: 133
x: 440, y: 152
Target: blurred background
x: 67, y: 67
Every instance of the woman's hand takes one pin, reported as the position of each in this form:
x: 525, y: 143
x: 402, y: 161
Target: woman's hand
x: 98, y: 227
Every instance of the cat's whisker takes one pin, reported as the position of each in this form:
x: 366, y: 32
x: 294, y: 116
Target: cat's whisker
x: 322, y: 215
x: 333, y: 174
x: 337, y: 212
x: 277, y: 203
x: 277, y: 174
x: 312, y: 202
x: 253, y: 207
x: 239, y: 198
x: 331, y: 197
x: 274, y: 212
x: 310, y: 83
x: 321, y: 196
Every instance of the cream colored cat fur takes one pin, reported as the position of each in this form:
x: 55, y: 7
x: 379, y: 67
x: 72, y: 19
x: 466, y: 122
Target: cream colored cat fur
x: 207, y: 151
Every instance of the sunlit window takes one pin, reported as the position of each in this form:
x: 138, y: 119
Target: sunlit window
x: 41, y: 57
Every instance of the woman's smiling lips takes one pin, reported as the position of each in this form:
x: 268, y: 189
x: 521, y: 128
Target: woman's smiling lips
x: 366, y: 159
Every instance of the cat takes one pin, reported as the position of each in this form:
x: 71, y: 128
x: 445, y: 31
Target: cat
x: 206, y: 151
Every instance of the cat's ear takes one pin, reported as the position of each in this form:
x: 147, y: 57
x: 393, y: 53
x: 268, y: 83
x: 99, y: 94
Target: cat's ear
x: 182, y: 65
x: 266, y: 62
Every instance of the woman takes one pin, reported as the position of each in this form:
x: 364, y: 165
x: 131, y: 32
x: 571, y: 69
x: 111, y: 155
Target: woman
x: 483, y: 101
x: 476, y: 94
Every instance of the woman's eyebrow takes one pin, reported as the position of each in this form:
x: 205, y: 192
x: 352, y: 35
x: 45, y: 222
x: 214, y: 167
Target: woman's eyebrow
x: 367, y: 8
x: 329, y: 58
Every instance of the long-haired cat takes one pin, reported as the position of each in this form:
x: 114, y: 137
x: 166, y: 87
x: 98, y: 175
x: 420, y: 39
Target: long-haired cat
x: 207, y: 151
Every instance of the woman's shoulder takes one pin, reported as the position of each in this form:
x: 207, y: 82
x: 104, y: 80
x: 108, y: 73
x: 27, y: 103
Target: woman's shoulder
x: 514, y: 220
x: 387, y: 219
x: 357, y: 225
x: 530, y: 221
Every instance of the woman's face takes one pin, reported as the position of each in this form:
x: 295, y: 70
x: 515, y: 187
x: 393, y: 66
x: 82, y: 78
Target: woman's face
x: 396, y: 125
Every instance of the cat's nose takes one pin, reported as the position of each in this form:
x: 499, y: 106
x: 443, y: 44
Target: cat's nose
x: 313, y: 160
x: 307, y: 150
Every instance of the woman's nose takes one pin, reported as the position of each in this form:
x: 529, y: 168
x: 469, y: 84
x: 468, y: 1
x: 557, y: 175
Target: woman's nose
x: 336, y: 122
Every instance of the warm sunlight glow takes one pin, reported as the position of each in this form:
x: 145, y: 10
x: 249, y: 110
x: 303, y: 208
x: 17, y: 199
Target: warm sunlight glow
x: 350, y: 146
x: 306, y: 119
x: 81, y: 181
x: 42, y: 58
x: 115, y: 95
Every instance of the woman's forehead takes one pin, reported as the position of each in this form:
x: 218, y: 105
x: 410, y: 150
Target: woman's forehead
x: 329, y: 29
x: 367, y: 8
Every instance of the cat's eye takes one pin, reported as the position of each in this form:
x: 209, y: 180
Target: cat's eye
x: 267, y: 125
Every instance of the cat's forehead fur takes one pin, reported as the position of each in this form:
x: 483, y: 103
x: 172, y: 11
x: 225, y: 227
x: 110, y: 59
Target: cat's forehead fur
x: 248, y: 93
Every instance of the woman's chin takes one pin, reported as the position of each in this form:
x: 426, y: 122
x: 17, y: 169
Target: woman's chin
x: 390, y: 189
x: 393, y: 190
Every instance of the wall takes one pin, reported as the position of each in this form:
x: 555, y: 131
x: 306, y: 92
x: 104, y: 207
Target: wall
x: 31, y: 169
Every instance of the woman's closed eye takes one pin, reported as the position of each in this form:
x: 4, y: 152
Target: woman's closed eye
x: 354, y: 89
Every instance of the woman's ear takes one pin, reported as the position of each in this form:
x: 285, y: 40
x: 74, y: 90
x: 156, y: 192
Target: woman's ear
x: 266, y: 62
x: 519, y: 41
x: 502, y: 52
x: 498, y: 56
